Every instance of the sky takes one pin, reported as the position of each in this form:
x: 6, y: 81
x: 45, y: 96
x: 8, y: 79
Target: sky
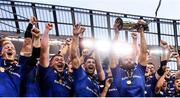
x: 169, y: 8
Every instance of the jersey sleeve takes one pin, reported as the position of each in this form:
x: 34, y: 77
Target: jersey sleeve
x: 23, y: 64
x: 141, y: 68
x: 79, y: 73
x: 46, y: 75
x: 115, y: 72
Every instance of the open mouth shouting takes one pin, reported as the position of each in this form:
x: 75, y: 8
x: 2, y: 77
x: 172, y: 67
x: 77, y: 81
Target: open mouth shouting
x: 9, y: 55
x: 178, y: 87
x: 60, y: 67
x: 91, y: 69
x: 8, y: 52
x: 177, y: 84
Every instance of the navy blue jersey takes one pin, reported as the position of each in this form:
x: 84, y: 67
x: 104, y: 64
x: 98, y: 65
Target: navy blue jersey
x: 161, y: 94
x: 53, y: 85
x: 150, y: 85
x: 112, y: 91
x: 84, y: 86
x: 126, y: 88
x: 170, y: 91
x: 177, y: 94
x: 30, y: 84
x: 10, y: 78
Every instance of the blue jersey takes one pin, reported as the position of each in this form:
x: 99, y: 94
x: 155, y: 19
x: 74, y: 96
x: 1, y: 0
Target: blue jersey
x: 30, y: 83
x: 150, y: 85
x: 161, y: 94
x: 84, y: 86
x: 10, y: 78
x: 112, y: 91
x: 133, y: 88
x: 53, y: 85
x: 177, y: 94
x: 170, y: 91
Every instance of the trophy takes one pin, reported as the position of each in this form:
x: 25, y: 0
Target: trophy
x: 135, y: 26
x: 141, y: 24
x: 126, y: 25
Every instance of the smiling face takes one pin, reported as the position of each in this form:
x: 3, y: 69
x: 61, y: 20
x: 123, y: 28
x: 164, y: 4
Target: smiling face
x: 8, y: 51
x: 58, y: 63
x: 177, y: 84
x: 90, y: 64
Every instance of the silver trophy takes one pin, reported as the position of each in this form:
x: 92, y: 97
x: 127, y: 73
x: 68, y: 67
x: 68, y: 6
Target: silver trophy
x: 135, y: 26
x: 127, y: 25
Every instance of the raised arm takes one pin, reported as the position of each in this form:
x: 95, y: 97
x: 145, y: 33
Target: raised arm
x: 143, y: 46
x: 36, y: 43
x: 160, y: 83
x: 36, y: 37
x: 26, y: 49
x: 164, y: 58
x: 77, y: 29
x: 166, y: 50
x: 66, y: 47
x: 36, y: 47
x: 81, y: 47
x: 178, y: 62
x: 176, y: 55
x: 161, y: 80
x: 117, y: 26
x: 135, y: 45
x: 44, y: 54
x: 100, y: 71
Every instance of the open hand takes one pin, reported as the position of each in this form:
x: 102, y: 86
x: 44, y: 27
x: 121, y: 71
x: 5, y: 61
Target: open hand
x: 78, y: 29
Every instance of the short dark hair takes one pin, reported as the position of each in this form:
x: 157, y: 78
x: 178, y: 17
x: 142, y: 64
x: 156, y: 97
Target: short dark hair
x: 89, y: 57
x: 55, y: 56
x: 150, y: 63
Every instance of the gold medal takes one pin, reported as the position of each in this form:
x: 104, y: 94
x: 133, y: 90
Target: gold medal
x: 128, y: 82
x: 60, y: 81
x: 2, y: 69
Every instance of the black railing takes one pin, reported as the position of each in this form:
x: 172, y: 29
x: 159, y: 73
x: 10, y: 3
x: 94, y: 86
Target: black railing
x: 14, y: 18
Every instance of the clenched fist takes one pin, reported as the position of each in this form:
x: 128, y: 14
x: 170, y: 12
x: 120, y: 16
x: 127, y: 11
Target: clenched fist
x: 118, y: 24
x: 49, y: 26
x: 33, y: 20
x: 134, y: 35
x: 35, y: 32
